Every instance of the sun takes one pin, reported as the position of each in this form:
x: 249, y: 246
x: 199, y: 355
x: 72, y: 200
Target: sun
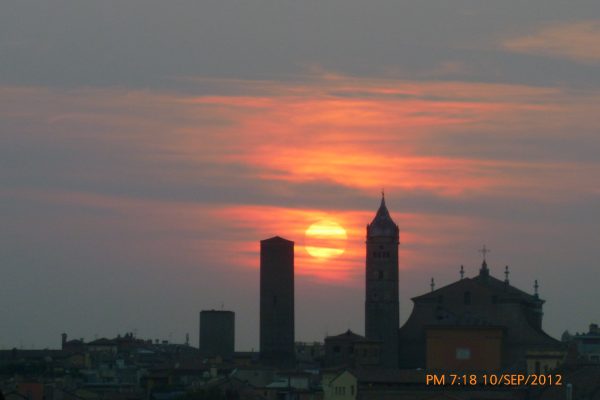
x: 325, y: 239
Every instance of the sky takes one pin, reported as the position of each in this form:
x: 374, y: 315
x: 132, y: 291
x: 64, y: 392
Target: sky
x: 146, y: 147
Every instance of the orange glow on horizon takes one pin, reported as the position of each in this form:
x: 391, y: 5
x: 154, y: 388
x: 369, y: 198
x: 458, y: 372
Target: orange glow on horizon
x: 270, y: 157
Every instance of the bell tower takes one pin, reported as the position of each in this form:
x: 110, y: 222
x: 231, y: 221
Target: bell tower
x: 382, y: 309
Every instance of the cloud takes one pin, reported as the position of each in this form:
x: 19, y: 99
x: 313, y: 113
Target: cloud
x: 270, y: 158
x: 119, y: 187
x: 575, y: 41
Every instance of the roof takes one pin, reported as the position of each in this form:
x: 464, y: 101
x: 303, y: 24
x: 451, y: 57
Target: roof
x: 495, y: 286
x: 276, y: 240
x: 103, y: 342
x: 382, y: 224
x: 347, y: 336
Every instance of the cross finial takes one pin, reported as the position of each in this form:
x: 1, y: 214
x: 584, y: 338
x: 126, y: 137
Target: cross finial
x: 432, y: 285
x: 484, y: 250
x: 506, y: 272
x: 536, y: 287
x: 462, y: 272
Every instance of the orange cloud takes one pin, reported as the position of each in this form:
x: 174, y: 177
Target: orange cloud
x: 360, y: 134
x: 576, y: 41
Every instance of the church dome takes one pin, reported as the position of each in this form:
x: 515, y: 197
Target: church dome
x: 382, y: 224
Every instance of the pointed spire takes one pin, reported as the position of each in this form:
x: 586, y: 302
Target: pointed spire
x: 382, y: 224
x: 382, y: 207
x: 535, y: 288
x: 506, y: 273
x: 462, y: 272
x: 432, y: 284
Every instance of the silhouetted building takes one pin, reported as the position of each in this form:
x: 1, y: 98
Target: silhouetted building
x: 309, y: 354
x: 217, y: 333
x: 588, y: 344
x: 382, y: 313
x: 478, y: 324
x: 277, y: 301
x: 351, y: 350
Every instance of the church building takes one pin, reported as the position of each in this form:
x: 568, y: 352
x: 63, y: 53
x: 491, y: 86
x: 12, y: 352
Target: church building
x: 474, y: 324
x: 478, y: 324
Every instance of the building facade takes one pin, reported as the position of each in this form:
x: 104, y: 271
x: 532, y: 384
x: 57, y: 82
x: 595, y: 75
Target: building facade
x: 351, y: 350
x: 277, y: 301
x: 217, y: 333
x: 487, y: 324
x: 382, y: 308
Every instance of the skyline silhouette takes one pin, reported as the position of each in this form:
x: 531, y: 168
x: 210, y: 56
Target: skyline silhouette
x: 146, y: 148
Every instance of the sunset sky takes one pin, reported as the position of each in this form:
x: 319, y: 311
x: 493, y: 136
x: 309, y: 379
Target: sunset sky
x: 146, y: 147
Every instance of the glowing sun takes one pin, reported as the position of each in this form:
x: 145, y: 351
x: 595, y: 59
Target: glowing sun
x: 325, y: 239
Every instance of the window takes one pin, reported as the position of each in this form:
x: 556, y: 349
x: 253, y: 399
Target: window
x: 494, y: 299
x: 380, y: 274
x: 463, y: 353
x: 336, y: 349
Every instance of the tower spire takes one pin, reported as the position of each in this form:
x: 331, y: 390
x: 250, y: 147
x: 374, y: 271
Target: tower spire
x: 432, y: 284
x: 506, y: 273
x: 381, y: 294
x: 462, y: 272
x: 382, y: 224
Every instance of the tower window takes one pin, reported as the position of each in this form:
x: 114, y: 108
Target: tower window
x: 467, y: 297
